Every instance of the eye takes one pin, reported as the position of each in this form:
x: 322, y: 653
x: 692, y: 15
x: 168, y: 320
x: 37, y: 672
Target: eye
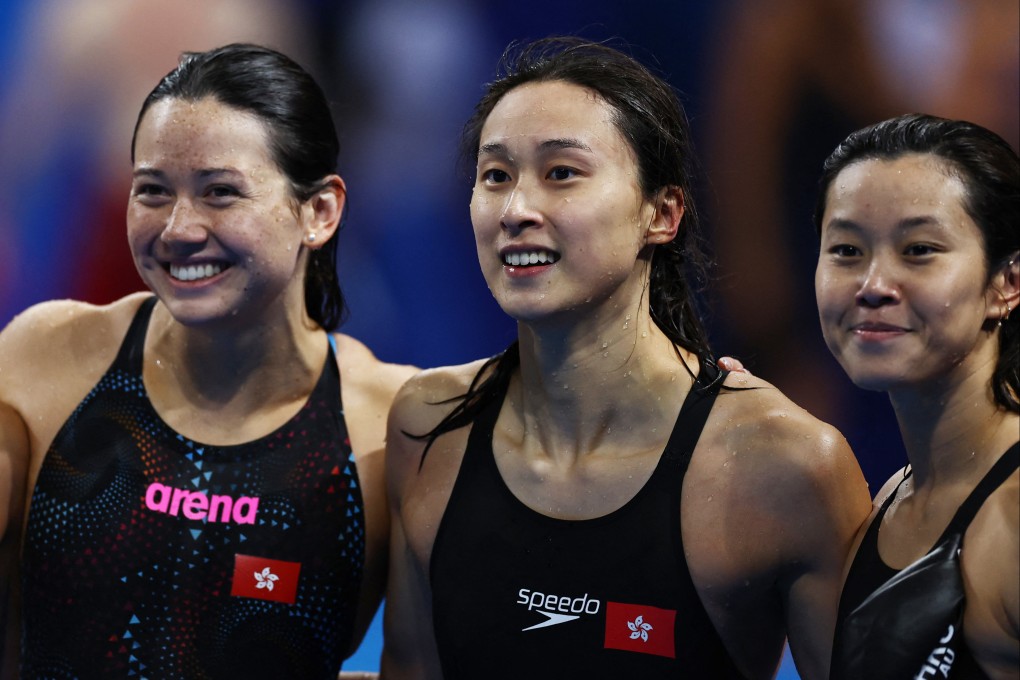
x: 919, y: 250
x: 149, y: 193
x: 843, y: 250
x: 561, y: 173
x: 222, y: 191
x: 494, y: 176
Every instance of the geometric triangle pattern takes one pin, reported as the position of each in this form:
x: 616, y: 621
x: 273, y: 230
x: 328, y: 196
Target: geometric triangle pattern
x: 133, y: 530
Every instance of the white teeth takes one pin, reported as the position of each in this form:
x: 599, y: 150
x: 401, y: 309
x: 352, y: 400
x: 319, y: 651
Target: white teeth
x: 193, y: 272
x: 533, y: 257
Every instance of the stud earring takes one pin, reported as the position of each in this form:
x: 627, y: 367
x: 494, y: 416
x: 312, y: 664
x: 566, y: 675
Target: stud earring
x: 311, y: 238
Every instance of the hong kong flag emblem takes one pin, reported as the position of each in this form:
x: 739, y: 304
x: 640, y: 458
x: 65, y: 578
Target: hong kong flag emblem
x: 640, y: 628
x: 265, y: 579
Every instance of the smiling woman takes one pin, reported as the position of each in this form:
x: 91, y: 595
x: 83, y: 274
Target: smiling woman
x: 198, y: 469
x: 917, y: 282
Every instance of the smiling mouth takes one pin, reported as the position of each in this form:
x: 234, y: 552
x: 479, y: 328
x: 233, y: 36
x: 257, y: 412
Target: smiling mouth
x: 194, y: 272
x: 530, y: 258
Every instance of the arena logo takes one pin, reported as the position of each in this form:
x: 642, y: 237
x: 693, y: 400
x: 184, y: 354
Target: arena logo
x: 199, y: 505
x: 556, y: 608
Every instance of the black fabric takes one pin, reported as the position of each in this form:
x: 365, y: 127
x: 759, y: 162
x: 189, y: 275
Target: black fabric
x: 911, y: 625
x: 120, y: 580
x: 518, y: 594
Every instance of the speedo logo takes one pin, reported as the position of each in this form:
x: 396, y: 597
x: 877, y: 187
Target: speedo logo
x: 199, y: 505
x: 556, y: 608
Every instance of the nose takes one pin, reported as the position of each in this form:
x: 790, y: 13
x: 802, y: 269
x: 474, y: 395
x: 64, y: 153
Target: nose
x: 520, y: 211
x: 878, y: 286
x: 185, y: 225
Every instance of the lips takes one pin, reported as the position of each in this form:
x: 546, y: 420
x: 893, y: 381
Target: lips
x: 877, y: 327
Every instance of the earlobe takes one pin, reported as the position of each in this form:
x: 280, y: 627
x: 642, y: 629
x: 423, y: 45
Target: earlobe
x: 1004, y: 290
x: 669, y: 210
x: 324, y: 210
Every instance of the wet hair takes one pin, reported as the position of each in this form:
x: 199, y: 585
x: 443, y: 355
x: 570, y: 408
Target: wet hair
x: 302, y: 137
x: 990, y: 172
x: 651, y: 118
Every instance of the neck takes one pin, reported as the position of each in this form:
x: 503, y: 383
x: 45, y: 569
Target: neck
x: 954, y: 429
x: 579, y: 391
x: 271, y: 361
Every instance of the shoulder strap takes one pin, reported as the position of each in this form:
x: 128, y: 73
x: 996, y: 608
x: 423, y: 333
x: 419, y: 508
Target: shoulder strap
x: 993, y: 479
x: 693, y: 415
x: 480, y: 437
x: 129, y: 357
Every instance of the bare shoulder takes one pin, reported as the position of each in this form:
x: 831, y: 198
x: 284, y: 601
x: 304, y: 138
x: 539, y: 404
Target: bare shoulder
x: 52, y: 343
x: 754, y: 417
x: 367, y: 386
x: 991, y: 570
x: 420, y: 405
x: 782, y: 457
x: 358, y: 363
x: 429, y: 396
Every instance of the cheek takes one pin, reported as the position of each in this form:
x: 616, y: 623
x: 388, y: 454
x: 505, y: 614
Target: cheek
x: 830, y: 293
x: 141, y: 227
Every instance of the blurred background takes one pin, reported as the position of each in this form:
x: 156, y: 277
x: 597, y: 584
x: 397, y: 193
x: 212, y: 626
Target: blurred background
x: 771, y: 86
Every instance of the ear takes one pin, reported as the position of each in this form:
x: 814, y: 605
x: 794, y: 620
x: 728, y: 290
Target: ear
x: 1003, y: 295
x: 322, y: 212
x: 669, y: 209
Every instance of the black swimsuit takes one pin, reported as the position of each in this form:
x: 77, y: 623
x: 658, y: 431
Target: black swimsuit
x: 907, y: 624
x: 518, y: 594
x: 151, y: 555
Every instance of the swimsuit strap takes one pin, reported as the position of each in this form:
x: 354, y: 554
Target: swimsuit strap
x: 1003, y: 468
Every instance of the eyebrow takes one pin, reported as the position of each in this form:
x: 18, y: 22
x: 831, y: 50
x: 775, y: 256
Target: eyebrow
x: 203, y: 172
x: 500, y: 150
x: 903, y: 225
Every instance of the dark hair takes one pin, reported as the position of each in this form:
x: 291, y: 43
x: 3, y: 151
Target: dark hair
x: 650, y: 116
x: 990, y: 171
x: 302, y: 136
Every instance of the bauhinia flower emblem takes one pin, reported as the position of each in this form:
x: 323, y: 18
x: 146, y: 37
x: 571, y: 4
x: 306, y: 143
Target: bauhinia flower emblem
x: 638, y: 628
x: 266, y: 578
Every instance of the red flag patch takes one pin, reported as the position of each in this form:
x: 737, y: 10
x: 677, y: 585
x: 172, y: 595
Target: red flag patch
x: 265, y: 579
x: 640, y: 628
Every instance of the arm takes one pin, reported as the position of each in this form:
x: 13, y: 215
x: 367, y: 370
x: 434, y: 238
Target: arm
x: 991, y: 576
x: 418, y: 493
x: 839, y: 503
x: 368, y: 387
x: 409, y: 651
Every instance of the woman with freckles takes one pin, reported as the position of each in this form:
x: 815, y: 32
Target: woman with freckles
x: 918, y: 280
x: 193, y: 475
x: 599, y: 501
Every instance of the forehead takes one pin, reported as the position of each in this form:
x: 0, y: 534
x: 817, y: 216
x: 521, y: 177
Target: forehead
x: 205, y: 131
x: 909, y: 184
x: 536, y: 112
